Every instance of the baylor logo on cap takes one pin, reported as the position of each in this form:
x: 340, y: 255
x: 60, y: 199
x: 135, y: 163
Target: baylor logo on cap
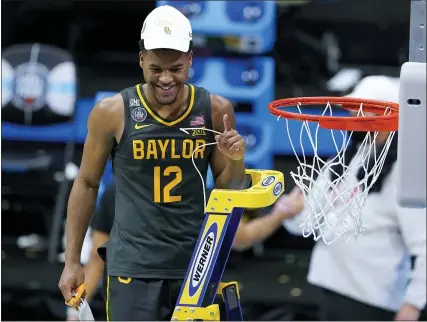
x: 167, y: 30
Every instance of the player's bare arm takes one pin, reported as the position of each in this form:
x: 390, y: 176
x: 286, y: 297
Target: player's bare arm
x: 255, y: 230
x: 105, y: 124
x: 93, y: 270
x: 228, y: 158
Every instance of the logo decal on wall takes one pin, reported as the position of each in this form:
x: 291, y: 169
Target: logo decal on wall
x: 29, y: 92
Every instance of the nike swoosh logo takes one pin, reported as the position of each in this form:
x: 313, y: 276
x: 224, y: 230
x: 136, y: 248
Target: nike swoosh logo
x: 138, y: 127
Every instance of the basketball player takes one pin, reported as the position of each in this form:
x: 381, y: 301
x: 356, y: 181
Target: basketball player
x: 248, y: 233
x: 159, y: 197
x: 371, y: 278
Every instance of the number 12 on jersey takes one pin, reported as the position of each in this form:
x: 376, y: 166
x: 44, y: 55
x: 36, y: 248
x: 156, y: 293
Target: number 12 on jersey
x: 163, y: 194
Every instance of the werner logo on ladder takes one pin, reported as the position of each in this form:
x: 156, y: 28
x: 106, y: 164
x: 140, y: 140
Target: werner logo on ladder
x: 203, y: 258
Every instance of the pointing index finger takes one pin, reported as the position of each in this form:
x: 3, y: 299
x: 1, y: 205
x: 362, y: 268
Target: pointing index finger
x: 227, y: 125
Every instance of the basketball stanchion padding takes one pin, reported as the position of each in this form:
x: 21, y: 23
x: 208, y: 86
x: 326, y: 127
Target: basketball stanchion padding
x: 39, y: 86
x: 203, y: 278
x: 334, y: 200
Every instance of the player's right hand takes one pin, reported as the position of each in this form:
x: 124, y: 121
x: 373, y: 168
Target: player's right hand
x: 72, y: 277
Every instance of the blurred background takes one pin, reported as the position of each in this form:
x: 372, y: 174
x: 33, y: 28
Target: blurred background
x: 60, y: 57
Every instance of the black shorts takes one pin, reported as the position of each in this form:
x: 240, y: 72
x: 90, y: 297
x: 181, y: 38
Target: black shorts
x: 135, y: 299
x: 336, y: 307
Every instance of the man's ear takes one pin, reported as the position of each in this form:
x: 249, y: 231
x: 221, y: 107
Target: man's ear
x: 141, y: 59
x: 190, y: 58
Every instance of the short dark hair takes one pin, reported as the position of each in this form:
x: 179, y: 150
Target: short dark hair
x: 142, y: 47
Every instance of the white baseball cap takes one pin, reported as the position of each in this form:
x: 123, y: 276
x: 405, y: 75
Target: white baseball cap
x: 166, y: 27
x: 377, y: 87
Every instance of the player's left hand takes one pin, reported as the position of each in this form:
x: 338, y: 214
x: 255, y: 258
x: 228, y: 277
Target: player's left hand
x: 288, y: 206
x: 407, y: 312
x: 231, y: 143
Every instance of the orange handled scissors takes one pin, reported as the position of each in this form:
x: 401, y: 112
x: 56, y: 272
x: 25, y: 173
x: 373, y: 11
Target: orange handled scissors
x: 79, y: 294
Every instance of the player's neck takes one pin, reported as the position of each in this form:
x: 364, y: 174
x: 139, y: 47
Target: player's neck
x: 171, y: 109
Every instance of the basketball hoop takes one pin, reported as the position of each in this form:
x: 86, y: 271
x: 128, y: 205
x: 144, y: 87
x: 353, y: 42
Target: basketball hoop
x: 334, y: 200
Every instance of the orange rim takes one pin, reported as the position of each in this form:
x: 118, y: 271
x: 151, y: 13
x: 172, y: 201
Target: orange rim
x: 379, y: 122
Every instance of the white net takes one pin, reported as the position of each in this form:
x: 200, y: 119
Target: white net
x: 335, y: 189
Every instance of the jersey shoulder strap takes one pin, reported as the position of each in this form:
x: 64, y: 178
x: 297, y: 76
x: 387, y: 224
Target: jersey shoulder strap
x: 202, y: 105
x: 131, y: 103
